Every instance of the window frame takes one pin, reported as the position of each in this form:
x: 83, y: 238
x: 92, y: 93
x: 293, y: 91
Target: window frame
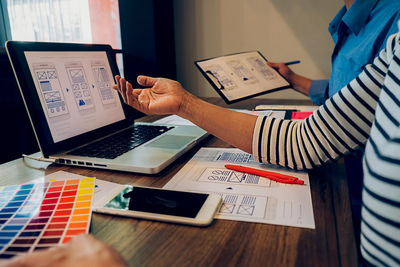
x: 5, y: 30
x: 151, y: 22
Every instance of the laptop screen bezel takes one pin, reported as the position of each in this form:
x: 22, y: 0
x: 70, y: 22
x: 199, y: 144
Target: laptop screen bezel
x: 16, y: 51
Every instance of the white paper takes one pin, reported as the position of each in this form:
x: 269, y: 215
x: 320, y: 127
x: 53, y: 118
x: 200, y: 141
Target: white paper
x: 247, y: 197
x: 175, y: 120
x: 302, y: 108
x: 273, y: 113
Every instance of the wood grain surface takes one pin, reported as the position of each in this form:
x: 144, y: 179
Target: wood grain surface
x: 224, y: 242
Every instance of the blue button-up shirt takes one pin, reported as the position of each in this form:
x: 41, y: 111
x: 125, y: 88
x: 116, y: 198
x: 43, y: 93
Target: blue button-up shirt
x: 359, y: 34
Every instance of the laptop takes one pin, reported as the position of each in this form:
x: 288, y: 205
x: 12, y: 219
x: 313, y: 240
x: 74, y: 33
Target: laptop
x: 77, y: 117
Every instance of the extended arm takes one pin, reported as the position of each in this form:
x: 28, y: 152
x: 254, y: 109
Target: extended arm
x: 233, y: 127
x: 165, y: 96
x: 340, y: 126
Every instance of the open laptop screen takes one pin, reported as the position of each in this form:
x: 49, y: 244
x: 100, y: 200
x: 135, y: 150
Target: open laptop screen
x: 67, y: 91
x: 75, y: 91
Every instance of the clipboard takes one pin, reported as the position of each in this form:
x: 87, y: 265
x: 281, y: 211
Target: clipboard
x: 240, y: 76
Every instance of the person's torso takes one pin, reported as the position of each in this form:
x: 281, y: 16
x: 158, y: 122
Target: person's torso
x: 380, y: 228
x: 353, y: 51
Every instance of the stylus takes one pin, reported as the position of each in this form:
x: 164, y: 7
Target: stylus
x: 292, y: 62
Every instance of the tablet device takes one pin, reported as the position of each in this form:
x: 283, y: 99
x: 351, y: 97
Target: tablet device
x: 162, y: 205
x: 240, y: 76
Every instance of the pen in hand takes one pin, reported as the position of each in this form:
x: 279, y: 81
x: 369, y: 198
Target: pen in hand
x: 292, y: 62
x: 279, y: 65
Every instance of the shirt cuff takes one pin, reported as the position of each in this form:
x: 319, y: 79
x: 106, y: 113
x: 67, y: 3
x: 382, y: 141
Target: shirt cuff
x: 318, y: 91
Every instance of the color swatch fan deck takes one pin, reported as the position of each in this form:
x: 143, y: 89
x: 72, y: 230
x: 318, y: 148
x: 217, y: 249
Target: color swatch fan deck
x: 43, y: 215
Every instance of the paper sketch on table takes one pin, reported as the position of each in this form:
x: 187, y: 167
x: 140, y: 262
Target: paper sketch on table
x: 246, y: 197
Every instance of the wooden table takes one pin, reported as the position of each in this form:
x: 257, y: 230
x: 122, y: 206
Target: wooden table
x: 224, y: 243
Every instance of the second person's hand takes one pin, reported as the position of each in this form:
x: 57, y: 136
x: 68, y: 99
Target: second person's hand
x: 283, y: 69
x: 299, y: 83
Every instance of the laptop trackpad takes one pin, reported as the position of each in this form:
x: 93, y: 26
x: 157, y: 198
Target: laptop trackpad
x: 171, y: 141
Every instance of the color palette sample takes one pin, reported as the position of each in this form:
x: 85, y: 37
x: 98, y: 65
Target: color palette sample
x: 39, y: 216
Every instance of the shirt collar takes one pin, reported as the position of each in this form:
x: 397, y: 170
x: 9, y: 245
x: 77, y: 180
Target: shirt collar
x: 354, y: 18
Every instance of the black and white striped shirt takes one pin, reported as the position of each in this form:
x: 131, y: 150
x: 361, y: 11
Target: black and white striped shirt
x: 344, y: 124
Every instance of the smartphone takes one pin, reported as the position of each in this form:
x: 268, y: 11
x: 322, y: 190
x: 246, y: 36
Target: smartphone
x: 163, y: 205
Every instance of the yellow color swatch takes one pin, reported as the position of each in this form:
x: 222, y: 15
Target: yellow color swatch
x: 87, y: 180
x: 84, y: 198
x: 85, y: 191
x: 87, y: 185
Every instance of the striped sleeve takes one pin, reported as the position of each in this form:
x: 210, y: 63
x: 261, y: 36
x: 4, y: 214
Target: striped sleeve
x: 338, y: 127
x: 380, y: 214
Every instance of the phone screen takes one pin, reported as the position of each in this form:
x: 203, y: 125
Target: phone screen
x: 183, y: 204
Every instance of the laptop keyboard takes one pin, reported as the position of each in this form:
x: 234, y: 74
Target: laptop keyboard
x: 120, y: 143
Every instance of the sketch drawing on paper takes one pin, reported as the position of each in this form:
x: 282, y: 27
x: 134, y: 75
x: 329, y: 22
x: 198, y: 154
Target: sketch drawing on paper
x: 242, y: 72
x: 220, y: 78
x: 261, y: 67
